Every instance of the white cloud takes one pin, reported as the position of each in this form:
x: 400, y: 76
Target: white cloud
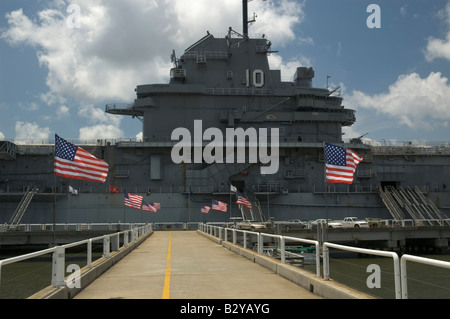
x: 440, y: 48
x: 412, y: 101
x: 62, y: 111
x: 25, y: 131
x: 100, y: 132
x: 121, y: 44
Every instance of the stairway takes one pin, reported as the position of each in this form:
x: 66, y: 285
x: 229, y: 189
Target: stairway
x: 23, y: 205
x: 412, y: 202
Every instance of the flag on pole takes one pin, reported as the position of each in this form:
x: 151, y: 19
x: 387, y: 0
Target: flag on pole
x: 205, y: 209
x: 233, y: 189
x: 150, y: 207
x: 73, y: 191
x: 73, y: 162
x: 113, y: 189
x: 156, y: 205
x: 340, y: 164
x: 218, y: 205
x: 133, y: 201
x: 241, y: 200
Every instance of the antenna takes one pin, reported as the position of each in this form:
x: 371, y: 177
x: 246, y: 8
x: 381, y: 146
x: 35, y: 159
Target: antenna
x: 245, y: 18
x: 245, y: 21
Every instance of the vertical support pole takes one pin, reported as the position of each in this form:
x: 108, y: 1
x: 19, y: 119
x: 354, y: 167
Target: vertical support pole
x: 326, y: 263
x: 125, y: 238
x: 282, y: 248
x: 260, y: 243
x: 89, y: 253
x: 106, y: 248
x: 58, y: 267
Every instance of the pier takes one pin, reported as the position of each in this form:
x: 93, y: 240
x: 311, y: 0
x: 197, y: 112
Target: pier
x: 191, y: 264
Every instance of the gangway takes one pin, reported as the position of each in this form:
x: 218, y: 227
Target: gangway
x: 22, y: 207
x: 413, y: 202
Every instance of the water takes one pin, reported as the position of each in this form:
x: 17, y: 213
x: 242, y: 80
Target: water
x: 22, y: 279
x: 424, y: 282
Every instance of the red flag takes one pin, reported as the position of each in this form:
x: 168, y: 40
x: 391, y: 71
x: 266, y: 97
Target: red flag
x: 72, y: 161
x: 113, y: 189
x: 340, y: 164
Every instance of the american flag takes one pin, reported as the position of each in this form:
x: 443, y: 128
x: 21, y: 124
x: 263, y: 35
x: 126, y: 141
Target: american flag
x: 218, y: 205
x: 242, y: 201
x: 205, y: 209
x: 340, y: 164
x: 133, y: 201
x: 73, y: 162
x: 150, y: 207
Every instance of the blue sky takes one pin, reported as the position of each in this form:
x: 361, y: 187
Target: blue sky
x: 57, y: 79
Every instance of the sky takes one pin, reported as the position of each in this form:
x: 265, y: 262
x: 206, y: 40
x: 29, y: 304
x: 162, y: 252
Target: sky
x: 62, y: 61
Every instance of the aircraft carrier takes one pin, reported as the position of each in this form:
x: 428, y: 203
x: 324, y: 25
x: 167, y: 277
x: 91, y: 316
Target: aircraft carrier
x: 219, y: 87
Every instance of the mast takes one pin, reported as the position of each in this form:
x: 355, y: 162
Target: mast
x: 245, y: 18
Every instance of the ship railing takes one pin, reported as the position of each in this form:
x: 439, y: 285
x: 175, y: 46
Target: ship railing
x: 236, y: 91
x: 399, y: 264
x: 111, y: 242
x: 69, y: 226
x: 394, y: 256
x: 246, y: 241
x: 417, y: 259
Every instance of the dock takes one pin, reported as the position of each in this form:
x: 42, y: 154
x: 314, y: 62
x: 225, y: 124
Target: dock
x: 186, y: 265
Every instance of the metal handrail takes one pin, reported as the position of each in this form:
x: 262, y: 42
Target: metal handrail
x: 422, y: 260
x: 58, y: 260
x: 394, y: 256
x: 212, y: 230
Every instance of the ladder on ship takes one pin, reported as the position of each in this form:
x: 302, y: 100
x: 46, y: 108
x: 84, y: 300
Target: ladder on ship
x: 412, y: 201
x: 23, y: 205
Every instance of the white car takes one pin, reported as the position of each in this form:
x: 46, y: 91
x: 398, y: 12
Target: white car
x: 330, y: 223
x: 251, y: 225
x: 293, y: 224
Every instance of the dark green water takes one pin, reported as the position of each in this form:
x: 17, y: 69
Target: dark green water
x: 424, y: 282
x: 22, y: 279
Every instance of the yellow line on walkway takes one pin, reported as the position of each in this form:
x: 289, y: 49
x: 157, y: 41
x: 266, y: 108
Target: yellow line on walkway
x: 166, y: 289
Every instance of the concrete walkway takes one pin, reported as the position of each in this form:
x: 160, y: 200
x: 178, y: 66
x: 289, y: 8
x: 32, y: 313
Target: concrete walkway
x: 186, y: 265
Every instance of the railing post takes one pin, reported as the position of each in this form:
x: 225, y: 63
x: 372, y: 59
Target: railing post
x: 125, y: 238
x: 245, y: 238
x: 234, y: 236
x: 282, y: 248
x: 260, y: 243
x: 326, y: 263
x: 106, y: 248
x: 58, y: 267
x: 116, y: 243
x: 225, y: 235
x: 89, y: 253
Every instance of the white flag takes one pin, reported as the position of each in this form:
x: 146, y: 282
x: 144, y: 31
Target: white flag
x: 232, y: 188
x: 73, y: 190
